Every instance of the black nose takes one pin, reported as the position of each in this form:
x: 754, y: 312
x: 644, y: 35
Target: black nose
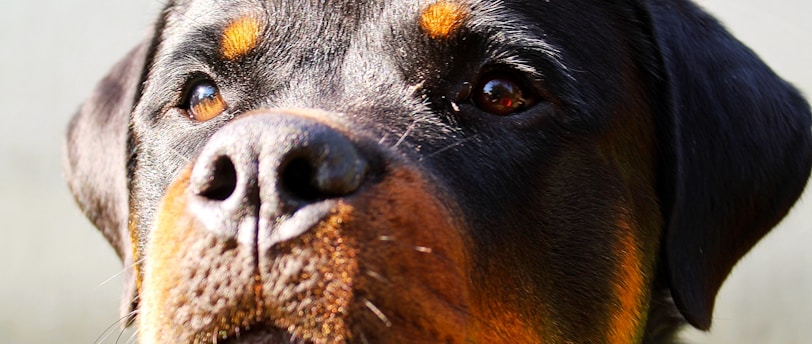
x: 269, y: 167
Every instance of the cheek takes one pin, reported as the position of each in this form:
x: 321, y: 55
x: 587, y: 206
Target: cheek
x: 632, y: 277
x: 570, y: 254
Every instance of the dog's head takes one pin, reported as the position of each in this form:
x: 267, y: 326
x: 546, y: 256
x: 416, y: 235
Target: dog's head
x: 434, y: 171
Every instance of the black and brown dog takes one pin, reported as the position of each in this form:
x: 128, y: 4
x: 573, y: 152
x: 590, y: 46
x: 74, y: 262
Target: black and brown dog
x: 446, y: 171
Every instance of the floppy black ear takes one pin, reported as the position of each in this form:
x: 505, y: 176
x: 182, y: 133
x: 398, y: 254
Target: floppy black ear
x: 736, y: 151
x: 95, y: 161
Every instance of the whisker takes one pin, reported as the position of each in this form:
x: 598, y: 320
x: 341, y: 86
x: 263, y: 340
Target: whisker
x: 406, y: 133
x: 133, y: 336
x: 117, y: 274
x: 109, y: 330
x: 423, y: 249
x: 455, y: 144
x: 376, y: 276
x: 455, y: 107
x: 386, y: 238
x: 417, y: 248
x: 375, y: 310
x: 107, y: 333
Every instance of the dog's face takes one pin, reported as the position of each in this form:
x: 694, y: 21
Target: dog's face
x: 434, y: 171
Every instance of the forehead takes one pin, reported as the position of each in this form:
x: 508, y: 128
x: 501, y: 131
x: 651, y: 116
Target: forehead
x: 316, y: 16
x: 286, y: 28
x: 327, y: 20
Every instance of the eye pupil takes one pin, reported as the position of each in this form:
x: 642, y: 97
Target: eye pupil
x: 204, y: 92
x: 205, y: 101
x: 500, y: 95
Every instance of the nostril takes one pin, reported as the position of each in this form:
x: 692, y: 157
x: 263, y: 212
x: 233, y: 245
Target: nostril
x: 222, y: 182
x: 298, y: 177
x: 332, y: 168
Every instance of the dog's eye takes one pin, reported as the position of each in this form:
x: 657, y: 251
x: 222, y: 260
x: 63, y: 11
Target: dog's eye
x: 204, y: 101
x: 501, y: 95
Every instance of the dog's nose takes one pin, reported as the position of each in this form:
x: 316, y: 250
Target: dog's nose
x: 272, y: 170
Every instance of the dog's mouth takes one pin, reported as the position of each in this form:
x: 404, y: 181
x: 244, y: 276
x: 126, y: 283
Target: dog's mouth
x: 260, y: 335
x: 383, y: 265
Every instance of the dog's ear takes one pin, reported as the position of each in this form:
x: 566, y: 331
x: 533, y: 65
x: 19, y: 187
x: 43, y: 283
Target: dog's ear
x: 95, y: 156
x: 735, y: 151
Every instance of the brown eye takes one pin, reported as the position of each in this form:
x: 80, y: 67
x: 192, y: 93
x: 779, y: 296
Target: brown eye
x: 204, y: 101
x: 501, y: 95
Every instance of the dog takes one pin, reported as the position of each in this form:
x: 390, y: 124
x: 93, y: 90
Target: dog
x: 454, y: 171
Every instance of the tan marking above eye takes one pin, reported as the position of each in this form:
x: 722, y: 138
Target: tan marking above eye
x: 240, y: 37
x: 441, y: 19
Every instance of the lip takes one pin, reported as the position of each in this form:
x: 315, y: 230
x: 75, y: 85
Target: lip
x: 260, y: 335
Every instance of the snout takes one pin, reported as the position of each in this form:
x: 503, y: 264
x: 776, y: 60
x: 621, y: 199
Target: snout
x: 289, y: 228
x: 271, y: 177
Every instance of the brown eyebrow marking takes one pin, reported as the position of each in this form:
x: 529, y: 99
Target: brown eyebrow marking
x: 441, y: 19
x: 240, y: 37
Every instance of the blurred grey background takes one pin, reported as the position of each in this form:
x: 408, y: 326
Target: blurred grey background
x: 57, y: 274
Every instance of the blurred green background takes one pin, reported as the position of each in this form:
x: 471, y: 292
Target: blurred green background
x: 57, y: 274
